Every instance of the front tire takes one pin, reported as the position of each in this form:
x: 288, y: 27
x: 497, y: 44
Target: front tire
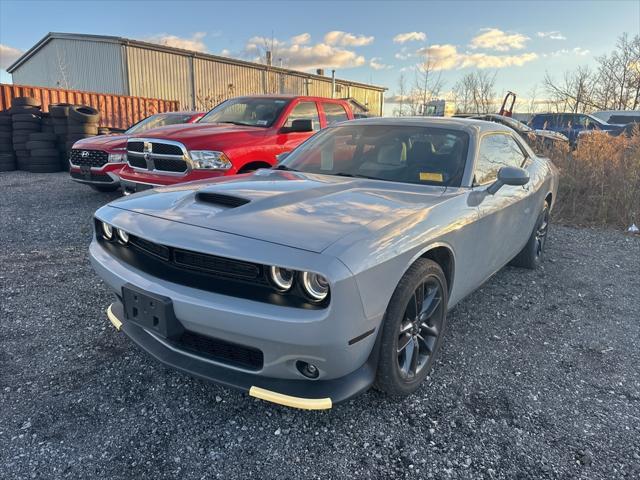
x: 412, y: 329
x: 531, y: 255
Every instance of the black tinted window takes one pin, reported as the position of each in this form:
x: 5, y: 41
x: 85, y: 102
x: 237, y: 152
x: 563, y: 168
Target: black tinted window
x: 335, y: 113
x: 496, y: 151
x: 304, y: 111
x: 423, y: 155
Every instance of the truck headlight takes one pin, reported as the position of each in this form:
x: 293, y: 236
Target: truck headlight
x: 117, y: 158
x: 209, y: 160
x: 315, y: 286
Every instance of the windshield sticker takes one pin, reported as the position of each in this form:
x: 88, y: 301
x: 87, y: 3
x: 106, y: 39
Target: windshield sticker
x: 326, y: 160
x: 280, y: 101
x: 262, y: 122
x: 430, y: 177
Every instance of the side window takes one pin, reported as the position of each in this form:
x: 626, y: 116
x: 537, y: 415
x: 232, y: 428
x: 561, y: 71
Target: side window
x: 304, y: 111
x: 334, y: 113
x: 496, y: 151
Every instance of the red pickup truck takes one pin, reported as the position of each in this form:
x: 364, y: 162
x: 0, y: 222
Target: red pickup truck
x: 96, y: 161
x: 239, y: 135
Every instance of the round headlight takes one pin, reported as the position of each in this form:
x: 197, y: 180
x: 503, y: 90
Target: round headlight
x: 122, y: 236
x: 315, y: 285
x: 281, y: 277
x: 107, y: 231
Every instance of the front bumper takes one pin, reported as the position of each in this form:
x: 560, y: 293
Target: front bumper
x: 106, y: 175
x: 303, y: 394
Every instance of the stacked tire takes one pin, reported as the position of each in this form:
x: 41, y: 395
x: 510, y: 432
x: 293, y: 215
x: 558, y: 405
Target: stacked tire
x: 44, y: 156
x: 59, y: 114
x: 82, y: 123
x: 7, y: 158
x: 26, y: 118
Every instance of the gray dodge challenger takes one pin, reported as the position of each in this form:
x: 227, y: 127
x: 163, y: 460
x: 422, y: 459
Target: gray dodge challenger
x: 308, y: 283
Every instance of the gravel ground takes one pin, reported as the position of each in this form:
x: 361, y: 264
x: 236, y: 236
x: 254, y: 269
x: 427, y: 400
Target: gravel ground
x: 539, y: 376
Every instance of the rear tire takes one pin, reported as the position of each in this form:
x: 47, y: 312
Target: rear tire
x: 416, y: 319
x: 532, y: 253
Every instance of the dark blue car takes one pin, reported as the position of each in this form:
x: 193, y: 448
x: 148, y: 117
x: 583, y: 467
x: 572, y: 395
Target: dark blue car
x: 570, y: 124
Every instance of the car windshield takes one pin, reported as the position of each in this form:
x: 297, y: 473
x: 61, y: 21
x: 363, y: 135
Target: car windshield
x: 254, y: 112
x: 411, y: 154
x: 159, y: 120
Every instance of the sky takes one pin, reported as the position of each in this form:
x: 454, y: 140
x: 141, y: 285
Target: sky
x: 367, y: 41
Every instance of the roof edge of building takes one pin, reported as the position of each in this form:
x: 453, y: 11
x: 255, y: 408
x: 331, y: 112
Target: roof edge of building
x: 179, y: 51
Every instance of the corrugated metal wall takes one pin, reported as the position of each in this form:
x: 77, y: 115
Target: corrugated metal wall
x: 116, y: 111
x: 159, y: 74
x: 76, y: 65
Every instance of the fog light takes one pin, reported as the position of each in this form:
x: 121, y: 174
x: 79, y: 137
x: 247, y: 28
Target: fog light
x: 309, y: 370
x: 122, y: 236
x: 107, y: 231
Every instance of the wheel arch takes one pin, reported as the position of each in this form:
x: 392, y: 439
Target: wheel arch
x: 549, y: 199
x: 443, y: 255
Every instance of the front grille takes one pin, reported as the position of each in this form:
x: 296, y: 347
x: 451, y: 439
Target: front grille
x: 88, y: 158
x: 135, y: 161
x: 221, y: 350
x: 157, y: 152
x: 165, y: 149
x: 170, y: 164
x: 150, y: 247
x: 217, y: 265
x: 221, y: 199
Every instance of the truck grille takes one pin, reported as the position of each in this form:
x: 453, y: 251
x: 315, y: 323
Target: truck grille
x: 156, y: 155
x: 88, y: 158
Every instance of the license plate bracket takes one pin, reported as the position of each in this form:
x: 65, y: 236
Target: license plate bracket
x: 151, y: 311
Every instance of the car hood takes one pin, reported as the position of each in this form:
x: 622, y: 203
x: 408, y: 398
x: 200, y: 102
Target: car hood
x: 103, y: 142
x: 185, y: 132
x: 295, y: 209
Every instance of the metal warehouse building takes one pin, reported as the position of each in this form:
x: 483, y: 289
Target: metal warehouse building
x: 197, y: 80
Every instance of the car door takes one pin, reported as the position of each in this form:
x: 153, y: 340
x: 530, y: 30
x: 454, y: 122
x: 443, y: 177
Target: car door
x: 334, y: 113
x: 505, y: 217
x: 303, y: 110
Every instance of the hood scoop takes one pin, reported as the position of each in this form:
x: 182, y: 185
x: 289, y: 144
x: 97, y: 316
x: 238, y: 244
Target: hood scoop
x: 220, y: 199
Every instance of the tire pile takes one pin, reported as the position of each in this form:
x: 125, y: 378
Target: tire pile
x: 7, y: 158
x: 40, y: 142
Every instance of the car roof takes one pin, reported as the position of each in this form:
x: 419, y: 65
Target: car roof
x: 292, y: 97
x: 454, y: 123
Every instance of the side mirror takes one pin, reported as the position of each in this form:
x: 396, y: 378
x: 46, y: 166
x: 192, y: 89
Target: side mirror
x: 300, y: 125
x: 509, y: 176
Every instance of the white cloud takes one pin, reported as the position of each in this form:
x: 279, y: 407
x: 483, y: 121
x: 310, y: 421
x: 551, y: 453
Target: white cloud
x: 8, y: 55
x: 225, y: 52
x: 447, y: 57
x: 345, y: 39
x: 301, y: 39
x: 496, y: 39
x: 304, y: 57
x: 376, y: 64
x: 581, y: 52
x: 195, y: 43
x: 554, y: 35
x: 410, y: 37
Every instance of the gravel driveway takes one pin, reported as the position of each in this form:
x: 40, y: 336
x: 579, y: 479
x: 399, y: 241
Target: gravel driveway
x: 539, y: 376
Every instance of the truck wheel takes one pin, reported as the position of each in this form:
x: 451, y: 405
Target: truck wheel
x: 412, y: 329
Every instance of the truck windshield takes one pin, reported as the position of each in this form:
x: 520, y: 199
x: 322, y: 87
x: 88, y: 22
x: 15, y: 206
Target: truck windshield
x: 410, y: 154
x: 159, y: 120
x: 253, y: 112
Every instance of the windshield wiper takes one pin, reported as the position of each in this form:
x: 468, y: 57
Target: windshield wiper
x: 356, y: 175
x: 239, y: 123
x: 284, y: 167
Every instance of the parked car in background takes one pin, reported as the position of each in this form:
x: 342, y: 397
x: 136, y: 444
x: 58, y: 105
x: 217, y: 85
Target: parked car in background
x: 238, y: 136
x: 538, y: 140
x: 618, y: 117
x: 306, y: 283
x: 96, y: 161
x: 570, y: 124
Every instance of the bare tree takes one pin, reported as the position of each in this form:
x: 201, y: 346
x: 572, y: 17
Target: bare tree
x: 475, y: 92
x: 428, y: 82
x: 402, y: 95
